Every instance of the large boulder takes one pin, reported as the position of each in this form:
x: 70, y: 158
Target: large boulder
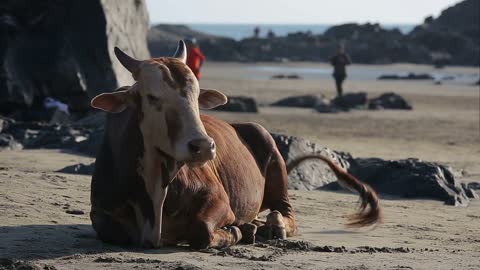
x: 302, y: 101
x: 311, y: 174
x: 239, y: 104
x: 64, y: 49
x: 410, y: 178
x: 389, y: 101
x: 351, y: 101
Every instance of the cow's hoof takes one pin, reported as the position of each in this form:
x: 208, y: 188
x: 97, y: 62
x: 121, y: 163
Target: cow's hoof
x: 248, y: 233
x: 276, y: 226
x: 236, y: 233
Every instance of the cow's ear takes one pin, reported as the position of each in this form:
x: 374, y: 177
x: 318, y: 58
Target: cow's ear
x: 210, y: 98
x: 115, y: 102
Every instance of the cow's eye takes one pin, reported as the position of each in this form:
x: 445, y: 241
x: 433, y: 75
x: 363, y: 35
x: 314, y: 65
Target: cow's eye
x: 152, y: 98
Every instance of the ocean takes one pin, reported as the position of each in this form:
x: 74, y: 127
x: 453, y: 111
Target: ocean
x: 241, y: 31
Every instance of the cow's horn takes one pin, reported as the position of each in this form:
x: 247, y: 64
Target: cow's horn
x: 127, y: 61
x: 181, y: 53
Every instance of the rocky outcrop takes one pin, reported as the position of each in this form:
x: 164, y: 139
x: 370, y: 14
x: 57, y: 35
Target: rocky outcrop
x: 303, y: 101
x: 64, y: 50
x: 309, y: 175
x: 409, y: 76
x: 389, y: 101
x: 452, y: 38
x: 239, y: 104
x: 409, y: 178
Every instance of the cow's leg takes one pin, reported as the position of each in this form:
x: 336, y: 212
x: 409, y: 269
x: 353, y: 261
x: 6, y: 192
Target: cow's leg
x: 211, y: 226
x: 269, y: 160
x: 116, y: 227
x: 282, y: 219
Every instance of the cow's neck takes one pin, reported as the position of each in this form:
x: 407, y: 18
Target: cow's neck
x: 158, y: 170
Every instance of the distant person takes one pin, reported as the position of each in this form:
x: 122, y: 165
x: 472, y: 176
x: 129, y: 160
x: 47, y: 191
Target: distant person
x: 195, y: 57
x: 339, y: 62
x: 256, y: 32
x: 270, y: 34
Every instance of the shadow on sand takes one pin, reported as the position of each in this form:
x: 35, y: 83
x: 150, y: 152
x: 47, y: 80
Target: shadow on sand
x: 33, y: 242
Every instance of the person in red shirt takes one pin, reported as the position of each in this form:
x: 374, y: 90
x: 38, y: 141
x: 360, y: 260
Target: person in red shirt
x: 195, y: 57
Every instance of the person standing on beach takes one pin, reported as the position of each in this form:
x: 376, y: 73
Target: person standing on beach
x: 195, y: 57
x: 339, y: 63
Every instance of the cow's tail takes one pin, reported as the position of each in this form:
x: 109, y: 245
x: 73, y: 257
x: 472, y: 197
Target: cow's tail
x: 369, y: 212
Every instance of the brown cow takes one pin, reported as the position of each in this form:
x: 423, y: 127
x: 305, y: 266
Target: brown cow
x: 218, y: 176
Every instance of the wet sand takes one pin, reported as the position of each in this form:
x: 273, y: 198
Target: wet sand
x: 416, y: 234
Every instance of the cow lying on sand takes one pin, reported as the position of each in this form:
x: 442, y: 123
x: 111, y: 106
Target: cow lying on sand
x: 166, y: 174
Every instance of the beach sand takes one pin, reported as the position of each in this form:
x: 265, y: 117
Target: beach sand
x: 416, y: 234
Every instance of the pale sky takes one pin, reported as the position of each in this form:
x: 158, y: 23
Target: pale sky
x: 294, y: 11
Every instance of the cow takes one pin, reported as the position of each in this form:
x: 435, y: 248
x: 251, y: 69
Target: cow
x: 165, y: 174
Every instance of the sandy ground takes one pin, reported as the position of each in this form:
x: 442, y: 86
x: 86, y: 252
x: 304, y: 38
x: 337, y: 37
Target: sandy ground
x: 416, y: 234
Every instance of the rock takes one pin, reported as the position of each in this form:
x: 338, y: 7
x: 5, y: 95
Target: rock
x: 351, y: 101
x: 474, y: 185
x: 309, y: 175
x: 80, y: 168
x: 389, y: 101
x: 470, y: 192
x: 452, y: 38
x: 75, y: 212
x: 303, y: 101
x: 286, y: 76
x: 324, y: 105
x: 52, y: 49
x: 8, y: 142
x: 409, y: 76
x: 239, y: 104
x: 81, y: 138
x: 408, y: 178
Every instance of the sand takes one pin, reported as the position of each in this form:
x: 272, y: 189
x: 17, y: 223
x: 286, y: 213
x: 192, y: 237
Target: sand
x: 416, y: 234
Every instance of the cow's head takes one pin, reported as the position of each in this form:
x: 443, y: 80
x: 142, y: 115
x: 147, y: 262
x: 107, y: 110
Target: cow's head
x: 168, y: 97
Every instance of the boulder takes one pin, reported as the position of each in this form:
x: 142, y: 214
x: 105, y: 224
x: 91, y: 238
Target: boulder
x: 408, y: 178
x: 32, y: 135
x: 409, y: 76
x: 239, y: 104
x: 52, y: 49
x: 286, y: 76
x: 389, y: 101
x: 303, y: 101
x: 351, y: 101
x: 309, y: 175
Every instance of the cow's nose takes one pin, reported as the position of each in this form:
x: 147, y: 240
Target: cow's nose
x: 202, y: 148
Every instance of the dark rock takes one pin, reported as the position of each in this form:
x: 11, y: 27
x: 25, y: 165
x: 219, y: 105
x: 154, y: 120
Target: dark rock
x: 452, y: 38
x: 389, y: 101
x: 474, y: 185
x: 312, y: 174
x: 50, y: 49
x: 304, y: 101
x: 79, y: 169
x: 287, y: 76
x: 409, y: 178
x: 351, y: 101
x: 84, y: 138
x: 324, y: 105
x: 75, y: 212
x: 239, y: 104
x: 470, y: 192
x: 409, y: 76
x: 8, y: 142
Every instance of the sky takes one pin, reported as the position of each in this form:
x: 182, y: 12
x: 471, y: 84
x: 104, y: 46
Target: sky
x: 295, y: 11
